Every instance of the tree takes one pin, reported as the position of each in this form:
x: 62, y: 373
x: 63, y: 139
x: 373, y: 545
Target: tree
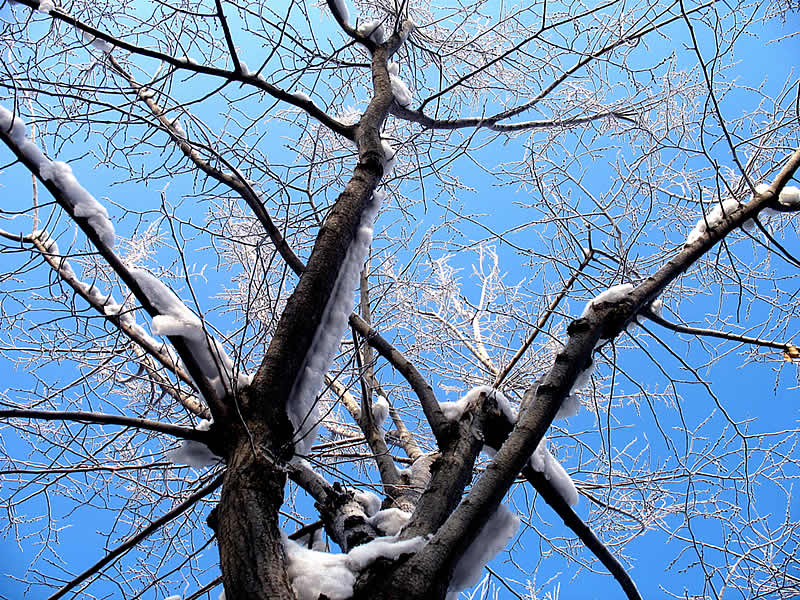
x: 185, y: 349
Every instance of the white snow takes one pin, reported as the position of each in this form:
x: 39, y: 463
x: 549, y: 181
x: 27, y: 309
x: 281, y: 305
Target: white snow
x: 570, y: 406
x: 544, y: 462
x: 583, y: 379
x: 83, y: 203
x: 13, y: 125
x: 790, y: 197
x: 380, y: 411
x: 178, y: 128
x: 192, y: 453
x: 301, y: 406
x: 713, y: 218
x: 243, y: 68
x: 400, y: 90
x: 495, y: 535
x: 389, y: 158
x: 102, y: 45
x: 316, y: 539
x: 373, y: 30
x: 370, y: 502
x: 657, y: 306
x: 175, y: 319
x: 389, y: 521
x: 302, y: 96
x: 313, y: 573
x: 541, y: 460
x: 45, y: 6
x: 341, y: 9
x: 406, y: 29
x: 389, y: 547
x: 454, y: 410
x: 615, y: 292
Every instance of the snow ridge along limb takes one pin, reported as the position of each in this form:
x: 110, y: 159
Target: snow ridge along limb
x: 301, y: 407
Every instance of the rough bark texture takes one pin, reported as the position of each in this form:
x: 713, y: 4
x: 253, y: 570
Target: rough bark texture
x: 246, y: 522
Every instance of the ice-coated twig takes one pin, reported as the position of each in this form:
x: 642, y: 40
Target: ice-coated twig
x: 132, y: 541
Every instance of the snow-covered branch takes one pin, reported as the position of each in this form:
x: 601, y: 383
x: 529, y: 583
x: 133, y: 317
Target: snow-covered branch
x: 93, y: 219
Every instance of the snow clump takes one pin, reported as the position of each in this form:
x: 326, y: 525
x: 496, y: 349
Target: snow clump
x: 60, y: 174
x: 312, y: 573
x: 341, y: 9
x: 389, y: 521
x: 389, y: 158
x: 399, y: 88
x: 380, y: 411
x: 193, y: 453
x: 712, y: 218
x: 541, y: 460
x: 373, y: 30
x: 302, y: 96
x: 175, y: 319
x: 495, y: 535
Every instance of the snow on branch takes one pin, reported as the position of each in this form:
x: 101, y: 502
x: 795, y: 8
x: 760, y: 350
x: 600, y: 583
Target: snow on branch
x: 373, y: 30
x: 314, y: 573
x: 339, y: 10
x: 301, y: 406
x: 789, y: 197
x: 399, y: 88
x: 541, y: 461
x: 193, y: 453
x: 82, y: 204
x: 495, y: 535
x: 175, y: 319
x: 788, y: 200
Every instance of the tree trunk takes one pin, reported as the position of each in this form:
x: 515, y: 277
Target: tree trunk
x: 251, y: 552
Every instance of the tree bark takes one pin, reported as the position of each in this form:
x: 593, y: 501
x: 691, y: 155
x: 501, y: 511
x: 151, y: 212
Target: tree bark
x: 251, y: 551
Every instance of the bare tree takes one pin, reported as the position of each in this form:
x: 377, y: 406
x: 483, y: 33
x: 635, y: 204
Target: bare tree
x: 319, y: 222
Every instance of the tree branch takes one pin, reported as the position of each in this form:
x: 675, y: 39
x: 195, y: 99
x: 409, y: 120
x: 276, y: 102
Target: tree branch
x: 186, y: 433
